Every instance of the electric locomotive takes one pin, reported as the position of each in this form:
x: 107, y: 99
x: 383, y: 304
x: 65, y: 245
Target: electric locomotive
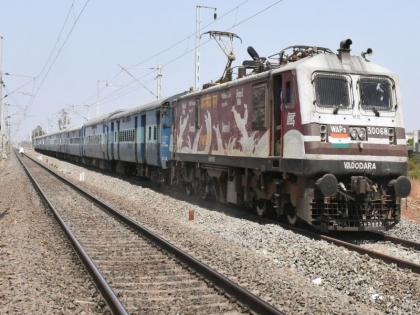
x: 306, y: 133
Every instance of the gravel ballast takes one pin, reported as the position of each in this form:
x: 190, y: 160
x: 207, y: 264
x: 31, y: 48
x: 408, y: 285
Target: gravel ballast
x: 39, y: 271
x: 407, y: 230
x: 297, y: 274
x: 143, y: 277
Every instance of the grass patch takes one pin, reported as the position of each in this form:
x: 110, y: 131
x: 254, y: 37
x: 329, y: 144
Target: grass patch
x: 414, y: 167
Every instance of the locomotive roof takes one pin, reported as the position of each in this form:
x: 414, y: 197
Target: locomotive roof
x: 329, y: 62
x: 333, y: 63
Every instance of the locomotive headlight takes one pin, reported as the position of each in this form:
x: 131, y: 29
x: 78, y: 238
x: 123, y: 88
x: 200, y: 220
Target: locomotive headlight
x: 362, y: 133
x: 391, y: 135
x: 353, y: 134
x: 323, y: 133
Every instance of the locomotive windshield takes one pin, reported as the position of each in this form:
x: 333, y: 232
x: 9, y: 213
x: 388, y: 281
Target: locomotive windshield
x: 375, y: 93
x: 332, y: 91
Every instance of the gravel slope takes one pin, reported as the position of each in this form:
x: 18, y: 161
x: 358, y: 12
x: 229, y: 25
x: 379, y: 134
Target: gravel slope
x: 297, y: 274
x: 39, y: 272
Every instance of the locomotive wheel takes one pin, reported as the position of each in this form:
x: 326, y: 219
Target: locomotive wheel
x: 262, y: 207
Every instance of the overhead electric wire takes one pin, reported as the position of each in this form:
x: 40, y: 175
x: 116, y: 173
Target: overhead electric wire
x: 228, y: 29
x: 59, y: 51
x: 201, y: 44
x: 60, y: 33
x: 170, y: 47
x: 188, y: 37
x: 134, y: 88
x: 18, y: 88
x: 255, y: 14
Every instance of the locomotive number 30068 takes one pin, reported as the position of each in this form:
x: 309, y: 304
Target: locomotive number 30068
x: 383, y: 131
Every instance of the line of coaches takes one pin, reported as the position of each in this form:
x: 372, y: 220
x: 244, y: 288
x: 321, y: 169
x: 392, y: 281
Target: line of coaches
x: 141, y: 135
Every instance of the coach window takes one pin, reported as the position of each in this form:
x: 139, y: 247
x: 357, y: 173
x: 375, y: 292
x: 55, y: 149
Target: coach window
x: 150, y: 132
x: 258, y: 104
x: 154, y: 133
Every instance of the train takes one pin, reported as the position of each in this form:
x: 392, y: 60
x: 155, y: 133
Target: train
x: 307, y: 134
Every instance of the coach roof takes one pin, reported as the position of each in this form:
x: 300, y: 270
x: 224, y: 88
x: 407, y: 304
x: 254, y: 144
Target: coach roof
x: 101, y: 119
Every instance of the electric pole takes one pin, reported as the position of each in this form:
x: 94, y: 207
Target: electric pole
x: 159, y: 82
x: 2, y: 120
x: 158, y: 78
x: 197, y: 42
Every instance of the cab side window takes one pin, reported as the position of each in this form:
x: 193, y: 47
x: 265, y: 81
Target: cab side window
x: 259, y: 96
x: 288, y: 93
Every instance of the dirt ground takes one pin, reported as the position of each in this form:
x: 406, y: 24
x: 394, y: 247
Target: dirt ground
x: 39, y: 271
x: 411, y: 208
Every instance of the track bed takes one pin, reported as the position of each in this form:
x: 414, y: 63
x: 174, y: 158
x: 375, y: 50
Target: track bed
x: 144, y: 277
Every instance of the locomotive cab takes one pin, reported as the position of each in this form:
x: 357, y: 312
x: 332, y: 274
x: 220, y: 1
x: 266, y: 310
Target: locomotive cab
x: 341, y: 123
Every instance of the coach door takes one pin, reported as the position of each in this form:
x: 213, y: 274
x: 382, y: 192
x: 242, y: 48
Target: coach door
x: 81, y: 141
x: 136, y: 140
x: 277, y: 132
x: 165, y: 136
x: 111, y: 137
x: 143, y: 138
x: 116, y: 140
x: 290, y: 114
x: 104, y: 141
x: 157, y: 135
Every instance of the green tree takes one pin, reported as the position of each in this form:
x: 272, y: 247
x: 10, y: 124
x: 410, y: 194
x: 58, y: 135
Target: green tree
x: 37, y: 132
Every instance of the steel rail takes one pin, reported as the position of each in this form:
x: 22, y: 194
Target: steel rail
x: 109, y: 295
x: 397, y: 240
x: 361, y: 250
x: 242, y: 295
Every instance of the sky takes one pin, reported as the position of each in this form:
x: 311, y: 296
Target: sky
x: 99, y: 36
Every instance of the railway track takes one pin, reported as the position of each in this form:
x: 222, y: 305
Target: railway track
x: 351, y: 245
x: 396, y: 240
x: 136, y: 270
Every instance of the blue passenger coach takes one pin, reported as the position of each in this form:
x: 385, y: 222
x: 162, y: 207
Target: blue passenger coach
x: 136, y: 141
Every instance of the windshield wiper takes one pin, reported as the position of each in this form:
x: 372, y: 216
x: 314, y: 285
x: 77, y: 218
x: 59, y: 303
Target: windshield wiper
x: 335, y: 111
x: 375, y: 111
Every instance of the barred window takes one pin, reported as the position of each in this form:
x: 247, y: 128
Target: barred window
x: 375, y: 93
x: 332, y: 91
x: 258, y: 106
x: 127, y: 135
